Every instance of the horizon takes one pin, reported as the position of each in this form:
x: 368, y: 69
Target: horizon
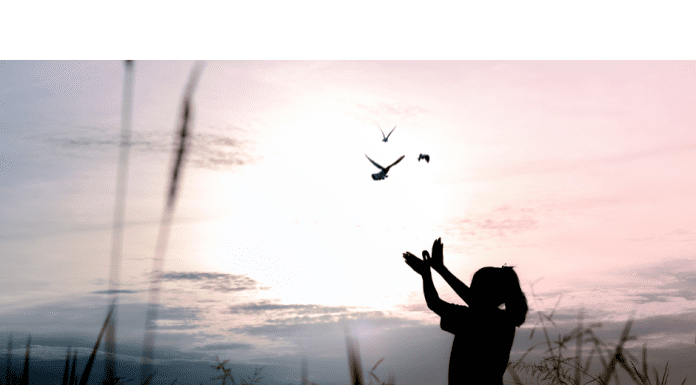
x: 579, y: 174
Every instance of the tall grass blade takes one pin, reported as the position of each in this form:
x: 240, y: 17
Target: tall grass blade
x: 66, y: 371
x: 546, y: 334
x: 578, y: 349
x: 372, y: 371
x: 163, y: 234
x: 356, y: 376
x: 304, y: 380
x: 8, y: 371
x: 377, y: 364
x: 119, y: 213
x: 628, y: 369
x: 665, y: 374
x: 589, y: 360
x: 645, y: 362
x: 73, y: 372
x: 611, y: 367
x: 514, y: 375
x: 90, y: 361
x: 598, y: 344
x: 25, y: 372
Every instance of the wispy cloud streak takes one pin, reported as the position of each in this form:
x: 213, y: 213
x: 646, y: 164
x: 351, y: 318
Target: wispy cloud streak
x: 266, y: 306
x: 214, y: 281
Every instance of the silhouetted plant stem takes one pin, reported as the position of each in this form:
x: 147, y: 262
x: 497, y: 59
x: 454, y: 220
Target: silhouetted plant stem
x: 578, y: 348
x: 354, y: 364
x: 163, y: 233
x: 304, y: 376
x: 611, y: 367
x: 25, y: 372
x: 73, y: 372
x: 90, y: 361
x: 119, y: 213
x: 8, y: 370
x: 66, y: 371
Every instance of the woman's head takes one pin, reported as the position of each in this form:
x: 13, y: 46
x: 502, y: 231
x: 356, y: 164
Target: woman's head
x: 493, y: 286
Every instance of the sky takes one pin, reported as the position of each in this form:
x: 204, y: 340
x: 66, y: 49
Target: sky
x: 578, y: 173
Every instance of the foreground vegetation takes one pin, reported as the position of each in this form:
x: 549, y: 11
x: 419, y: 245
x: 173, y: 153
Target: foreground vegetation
x: 555, y: 367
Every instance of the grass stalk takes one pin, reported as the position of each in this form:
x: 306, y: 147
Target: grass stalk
x: 304, y: 375
x: 163, y: 234
x: 372, y: 371
x: 8, y: 371
x: 578, y: 349
x: 119, y: 214
x: 66, y: 371
x: 73, y: 372
x: 611, y: 367
x: 354, y: 364
x: 90, y: 361
x: 25, y: 372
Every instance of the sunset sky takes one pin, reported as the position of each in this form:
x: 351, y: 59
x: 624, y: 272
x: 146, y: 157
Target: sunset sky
x: 581, y: 174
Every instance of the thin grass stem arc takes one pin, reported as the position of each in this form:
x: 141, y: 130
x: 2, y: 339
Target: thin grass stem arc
x: 25, y: 372
x: 73, y: 371
x: 354, y: 363
x: 66, y: 371
x: 90, y: 361
x: 119, y: 215
x: 8, y: 371
x: 163, y: 232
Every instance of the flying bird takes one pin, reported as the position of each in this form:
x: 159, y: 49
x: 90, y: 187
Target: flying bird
x: 384, y: 138
x: 424, y: 156
x: 384, y: 170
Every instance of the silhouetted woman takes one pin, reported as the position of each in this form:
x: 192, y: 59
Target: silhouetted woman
x: 483, y: 332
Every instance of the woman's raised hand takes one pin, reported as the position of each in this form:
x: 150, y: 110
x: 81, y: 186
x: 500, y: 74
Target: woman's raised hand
x: 436, y: 261
x: 418, y: 265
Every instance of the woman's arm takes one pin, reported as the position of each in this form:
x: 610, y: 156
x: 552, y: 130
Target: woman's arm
x: 459, y: 287
x: 437, y: 263
x: 431, y: 298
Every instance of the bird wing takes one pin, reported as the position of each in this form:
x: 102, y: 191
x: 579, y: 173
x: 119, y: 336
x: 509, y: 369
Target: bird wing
x: 375, y: 163
x: 389, y: 131
x: 397, y: 161
x: 380, y: 128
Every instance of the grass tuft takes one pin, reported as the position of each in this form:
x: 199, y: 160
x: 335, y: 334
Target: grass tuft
x: 227, y: 374
x: 555, y: 368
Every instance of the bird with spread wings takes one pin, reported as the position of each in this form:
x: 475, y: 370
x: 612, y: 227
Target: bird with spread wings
x: 384, y: 138
x: 383, y: 173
